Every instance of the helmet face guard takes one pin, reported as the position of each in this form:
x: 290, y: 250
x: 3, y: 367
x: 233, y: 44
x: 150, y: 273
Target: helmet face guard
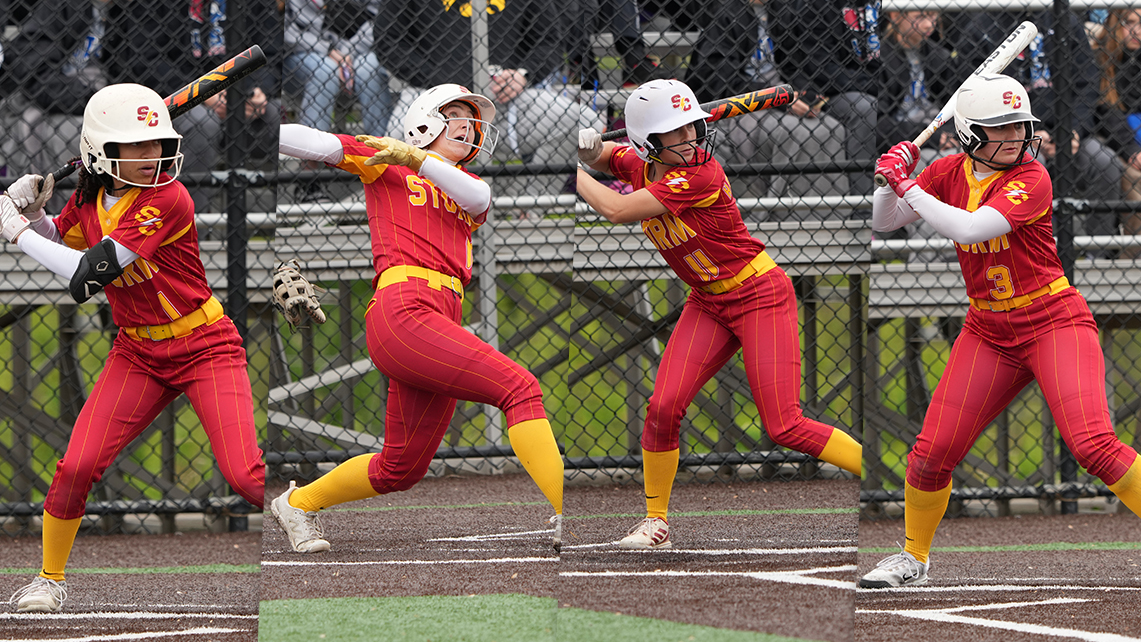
x: 128, y: 113
x: 994, y: 100
x: 702, y: 145
x: 425, y: 122
x: 661, y: 106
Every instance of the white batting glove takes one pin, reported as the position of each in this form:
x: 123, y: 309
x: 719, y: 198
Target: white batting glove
x: 589, y: 146
x: 12, y: 222
x: 27, y: 194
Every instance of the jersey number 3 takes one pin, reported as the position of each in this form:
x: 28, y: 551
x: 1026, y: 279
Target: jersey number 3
x: 999, y: 276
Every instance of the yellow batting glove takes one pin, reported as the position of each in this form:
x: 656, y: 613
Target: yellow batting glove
x: 390, y: 151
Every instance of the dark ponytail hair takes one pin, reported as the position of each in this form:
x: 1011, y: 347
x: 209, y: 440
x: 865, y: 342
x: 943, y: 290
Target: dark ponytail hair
x: 88, y: 188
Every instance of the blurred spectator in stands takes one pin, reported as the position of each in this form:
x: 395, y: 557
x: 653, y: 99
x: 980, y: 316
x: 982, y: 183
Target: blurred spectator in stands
x: 622, y: 20
x: 320, y: 59
x: 734, y: 55
x: 148, y: 43
x: 831, y: 49
x: 1098, y: 170
x: 429, y: 43
x: 1119, y: 111
x: 918, y: 76
x: 45, y: 82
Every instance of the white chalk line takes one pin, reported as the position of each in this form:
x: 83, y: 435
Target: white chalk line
x: 497, y: 560
x: 948, y: 616
x: 493, y: 536
x: 141, y: 635
x: 124, y: 615
x: 988, y: 588
x: 803, y: 576
x: 726, y: 551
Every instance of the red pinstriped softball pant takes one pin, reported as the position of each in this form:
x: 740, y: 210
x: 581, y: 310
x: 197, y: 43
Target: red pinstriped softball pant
x: 415, y: 338
x: 759, y: 318
x: 138, y: 381
x: 1053, y: 341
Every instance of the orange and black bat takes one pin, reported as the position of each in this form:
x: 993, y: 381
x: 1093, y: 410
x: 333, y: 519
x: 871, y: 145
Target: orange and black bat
x: 208, y: 84
x: 767, y: 98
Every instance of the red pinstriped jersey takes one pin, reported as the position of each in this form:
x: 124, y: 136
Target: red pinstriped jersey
x: 702, y: 236
x: 1014, y: 264
x: 412, y: 222
x: 168, y: 280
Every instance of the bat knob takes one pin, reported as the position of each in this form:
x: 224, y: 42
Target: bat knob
x: 880, y: 180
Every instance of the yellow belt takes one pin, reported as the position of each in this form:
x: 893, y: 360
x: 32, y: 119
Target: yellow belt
x: 1054, y: 287
x: 436, y: 280
x: 759, y: 265
x: 208, y: 314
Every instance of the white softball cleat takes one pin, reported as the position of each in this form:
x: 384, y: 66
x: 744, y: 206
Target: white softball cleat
x: 41, y: 595
x: 304, y: 529
x: 652, y: 532
x: 901, y: 569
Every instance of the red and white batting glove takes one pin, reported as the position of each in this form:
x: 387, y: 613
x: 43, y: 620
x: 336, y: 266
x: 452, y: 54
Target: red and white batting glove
x: 12, y: 222
x: 907, y: 151
x: 894, y: 169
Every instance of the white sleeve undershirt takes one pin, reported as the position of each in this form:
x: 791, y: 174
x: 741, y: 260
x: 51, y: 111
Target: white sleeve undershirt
x: 60, y: 258
x: 300, y: 141
x: 889, y: 212
x: 471, y: 194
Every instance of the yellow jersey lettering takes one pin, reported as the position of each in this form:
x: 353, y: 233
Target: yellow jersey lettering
x: 149, y: 219
x: 419, y: 195
x: 997, y: 244
x: 145, y: 270
x: 679, y: 231
x: 654, y: 229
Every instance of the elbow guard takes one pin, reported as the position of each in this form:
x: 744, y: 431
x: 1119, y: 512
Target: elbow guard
x: 97, y: 267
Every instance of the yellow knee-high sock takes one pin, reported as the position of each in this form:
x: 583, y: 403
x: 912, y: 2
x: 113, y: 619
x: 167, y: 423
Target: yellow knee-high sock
x: 59, y: 535
x: 922, y: 512
x: 1128, y: 488
x: 345, y: 483
x: 659, y: 470
x: 534, y: 444
x: 844, y: 452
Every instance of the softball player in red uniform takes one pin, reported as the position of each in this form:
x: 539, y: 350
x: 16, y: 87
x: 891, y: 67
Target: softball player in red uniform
x: 1025, y: 321
x: 422, y: 209
x: 740, y: 299
x: 129, y: 228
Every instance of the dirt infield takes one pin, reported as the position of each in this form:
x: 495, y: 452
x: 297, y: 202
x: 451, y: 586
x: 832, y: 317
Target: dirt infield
x: 775, y: 557
x: 447, y: 536
x: 143, y: 584
x: 1011, y: 579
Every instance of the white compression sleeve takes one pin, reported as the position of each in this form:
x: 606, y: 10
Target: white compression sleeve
x: 470, y: 193
x: 889, y: 212
x: 47, y: 229
x: 300, y: 141
x: 956, y: 223
x: 60, y: 258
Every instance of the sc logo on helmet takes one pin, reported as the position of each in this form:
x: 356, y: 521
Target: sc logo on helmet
x: 1012, y: 99
x: 681, y: 102
x: 148, y: 115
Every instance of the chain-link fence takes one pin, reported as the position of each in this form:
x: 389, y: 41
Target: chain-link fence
x: 584, y: 305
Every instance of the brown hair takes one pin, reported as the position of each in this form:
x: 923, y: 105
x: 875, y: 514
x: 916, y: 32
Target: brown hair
x: 1109, y: 54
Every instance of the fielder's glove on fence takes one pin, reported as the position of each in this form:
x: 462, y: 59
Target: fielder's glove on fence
x: 12, y: 221
x: 589, y: 146
x: 390, y: 151
x: 295, y: 296
x: 27, y: 194
x: 894, y: 169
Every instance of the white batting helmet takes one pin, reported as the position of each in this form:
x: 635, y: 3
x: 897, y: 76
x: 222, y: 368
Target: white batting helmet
x: 424, y: 123
x: 992, y: 100
x: 127, y: 113
x: 661, y: 106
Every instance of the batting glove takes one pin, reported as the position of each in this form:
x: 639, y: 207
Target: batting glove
x: 894, y: 169
x: 390, y: 151
x: 12, y: 222
x: 589, y: 146
x: 907, y: 151
x: 27, y: 194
